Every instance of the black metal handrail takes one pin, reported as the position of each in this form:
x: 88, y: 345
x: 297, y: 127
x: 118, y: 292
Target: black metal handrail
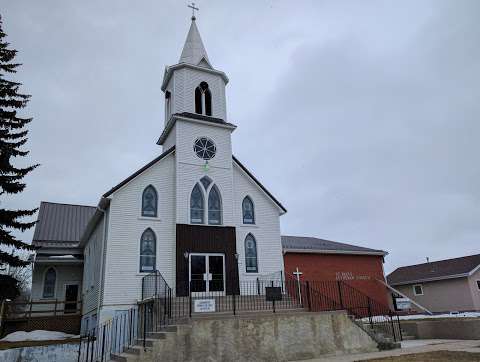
x: 338, y: 295
x: 161, y: 306
x: 111, y: 337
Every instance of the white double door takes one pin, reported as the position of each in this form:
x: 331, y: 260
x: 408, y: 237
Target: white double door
x: 207, y: 274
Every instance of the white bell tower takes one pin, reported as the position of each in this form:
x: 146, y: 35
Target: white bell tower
x: 195, y: 123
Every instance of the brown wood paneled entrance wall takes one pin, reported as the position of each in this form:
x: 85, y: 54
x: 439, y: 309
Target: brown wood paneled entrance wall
x: 206, y: 239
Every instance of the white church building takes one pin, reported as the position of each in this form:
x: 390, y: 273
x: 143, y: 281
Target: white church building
x: 194, y: 213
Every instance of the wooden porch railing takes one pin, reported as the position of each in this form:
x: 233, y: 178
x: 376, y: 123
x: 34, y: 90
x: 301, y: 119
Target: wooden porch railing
x: 15, y: 310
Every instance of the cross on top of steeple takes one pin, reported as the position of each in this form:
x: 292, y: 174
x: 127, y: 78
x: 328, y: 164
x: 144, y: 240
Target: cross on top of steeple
x: 192, y: 6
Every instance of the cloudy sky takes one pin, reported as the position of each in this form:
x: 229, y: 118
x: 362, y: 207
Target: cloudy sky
x: 362, y: 117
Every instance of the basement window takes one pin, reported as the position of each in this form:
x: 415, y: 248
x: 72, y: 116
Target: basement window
x: 417, y: 289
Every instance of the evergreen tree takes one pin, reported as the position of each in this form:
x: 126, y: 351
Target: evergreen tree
x: 13, y: 136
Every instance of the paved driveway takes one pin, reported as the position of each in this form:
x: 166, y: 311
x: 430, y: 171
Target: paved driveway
x: 409, y: 347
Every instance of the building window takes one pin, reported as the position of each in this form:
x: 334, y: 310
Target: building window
x: 214, y: 207
x: 149, y: 202
x: 248, y: 211
x: 196, y: 205
x: 147, y: 251
x: 251, y: 254
x: 206, y: 181
x: 49, y: 283
x: 417, y: 289
x: 168, y: 105
x: 478, y: 284
x: 203, y: 99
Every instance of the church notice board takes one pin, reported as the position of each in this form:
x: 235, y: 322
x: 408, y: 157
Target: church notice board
x: 204, y: 305
x: 273, y: 293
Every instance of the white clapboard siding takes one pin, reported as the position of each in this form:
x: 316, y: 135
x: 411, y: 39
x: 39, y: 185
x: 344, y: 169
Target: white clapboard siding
x: 185, y: 80
x: 266, y: 229
x: 122, y: 277
x: 92, y: 254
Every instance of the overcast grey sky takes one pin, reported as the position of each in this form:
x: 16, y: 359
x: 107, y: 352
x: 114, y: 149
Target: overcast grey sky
x: 360, y: 116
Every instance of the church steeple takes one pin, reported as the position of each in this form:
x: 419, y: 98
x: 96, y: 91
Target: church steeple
x: 193, y: 87
x: 194, y: 51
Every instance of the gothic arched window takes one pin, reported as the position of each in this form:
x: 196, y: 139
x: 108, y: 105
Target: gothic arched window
x: 168, y: 105
x: 214, y: 206
x: 196, y: 205
x: 198, y: 101
x: 203, y: 99
x: 248, y: 211
x: 49, y: 283
x: 149, y: 202
x: 251, y: 263
x: 148, y: 248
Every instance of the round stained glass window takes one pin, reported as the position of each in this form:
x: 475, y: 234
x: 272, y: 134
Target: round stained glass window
x: 204, y: 148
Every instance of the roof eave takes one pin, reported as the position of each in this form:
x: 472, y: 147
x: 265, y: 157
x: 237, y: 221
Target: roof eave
x: 425, y: 280
x: 138, y: 172
x: 169, y: 72
x: 345, y: 252
x: 174, y: 118
x: 281, y: 208
x: 103, y: 204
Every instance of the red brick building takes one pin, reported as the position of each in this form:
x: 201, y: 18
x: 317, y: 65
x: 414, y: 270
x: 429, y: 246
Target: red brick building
x: 324, y: 260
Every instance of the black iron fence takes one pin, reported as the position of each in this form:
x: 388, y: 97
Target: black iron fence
x: 339, y: 295
x: 112, y: 337
x: 160, y: 308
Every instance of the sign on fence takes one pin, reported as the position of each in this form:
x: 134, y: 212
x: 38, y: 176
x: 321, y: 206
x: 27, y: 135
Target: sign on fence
x: 273, y: 293
x: 204, y: 305
x: 403, y: 303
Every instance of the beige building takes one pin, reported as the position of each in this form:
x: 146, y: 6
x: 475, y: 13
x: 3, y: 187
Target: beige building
x: 451, y: 285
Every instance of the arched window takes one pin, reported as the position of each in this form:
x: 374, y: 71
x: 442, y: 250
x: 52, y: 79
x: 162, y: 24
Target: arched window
x: 203, y: 99
x: 214, y: 206
x: 148, y: 248
x: 248, y: 211
x: 149, y: 202
x: 49, y: 283
x: 168, y: 105
x: 208, y: 102
x: 251, y: 263
x: 198, y: 101
x: 196, y: 205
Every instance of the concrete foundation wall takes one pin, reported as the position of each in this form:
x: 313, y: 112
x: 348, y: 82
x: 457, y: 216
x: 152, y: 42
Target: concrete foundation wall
x: 52, y: 353
x: 270, y: 337
x: 457, y: 328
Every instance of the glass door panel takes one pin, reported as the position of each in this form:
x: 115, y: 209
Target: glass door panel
x: 198, y: 270
x: 216, y: 277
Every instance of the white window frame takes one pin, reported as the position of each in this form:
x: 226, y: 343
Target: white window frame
x: 414, y: 290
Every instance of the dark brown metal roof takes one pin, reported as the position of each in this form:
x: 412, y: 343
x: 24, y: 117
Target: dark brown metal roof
x: 258, y: 183
x: 61, y: 222
x: 138, y: 172
x: 310, y: 244
x: 436, y: 270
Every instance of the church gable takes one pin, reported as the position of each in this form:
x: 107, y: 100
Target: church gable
x: 242, y: 176
x: 139, y: 172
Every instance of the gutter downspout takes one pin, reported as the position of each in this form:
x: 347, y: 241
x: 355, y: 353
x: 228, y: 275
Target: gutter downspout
x: 100, y: 288
x: 404, y: 296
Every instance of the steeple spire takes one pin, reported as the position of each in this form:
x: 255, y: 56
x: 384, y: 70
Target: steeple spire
x: 194, y: 51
